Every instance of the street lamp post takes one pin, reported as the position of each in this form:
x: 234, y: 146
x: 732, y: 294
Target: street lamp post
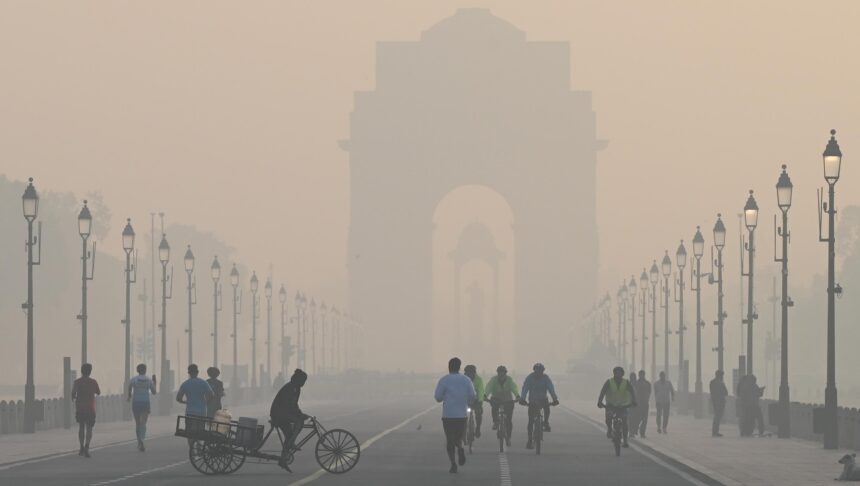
x: 237, y: 309
x: 621, y: 348
x: 130, y: 278
x: 643, y: 284
x: 335, y: 324
x: 681, y: 263
x: 666, y: 267
x: 268, y: 292
x: 698, y: 252
x: 164, y: 258
x: 784, y: 189
x: 832, y: 167
x: 323, y: 358
x: 300, y: 354
x: 85, y: 225
x: 654, y: 275
x: 314, y: 334
x: 751, y: 221
x: 282, y: 297
x: 632, y: 293
x: 215, y: 273
x: 254, y: 304
x: 30, y: 204
x: 719, y: 243
x: 192, y: 299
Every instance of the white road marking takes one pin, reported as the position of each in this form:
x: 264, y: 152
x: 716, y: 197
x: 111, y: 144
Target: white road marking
x: 369, y: 442
x: 141, y: 473
x: 504, y: 469
x: 638, y: 449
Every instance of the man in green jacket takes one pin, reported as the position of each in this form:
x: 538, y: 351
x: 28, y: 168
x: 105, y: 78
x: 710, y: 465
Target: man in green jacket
x: 478, y: 405
x: 502, y: 392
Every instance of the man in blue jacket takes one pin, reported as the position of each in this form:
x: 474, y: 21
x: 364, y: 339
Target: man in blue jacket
x: 536, y: 387
x: 456, y: 392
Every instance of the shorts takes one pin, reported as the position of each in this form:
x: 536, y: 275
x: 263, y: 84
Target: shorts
x: 140, y: 407
x: 87, y: 417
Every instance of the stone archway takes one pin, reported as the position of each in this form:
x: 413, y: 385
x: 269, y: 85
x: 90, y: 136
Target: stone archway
x: 472, y: 102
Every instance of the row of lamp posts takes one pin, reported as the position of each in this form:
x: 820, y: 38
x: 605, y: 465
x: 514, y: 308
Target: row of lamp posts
x: 30, y: 208
x: 626, y: 298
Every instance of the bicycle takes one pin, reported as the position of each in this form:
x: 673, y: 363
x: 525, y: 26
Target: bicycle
x: 502, y: 432
x: 222, y: 448
x: 537, y: 426
x: 470, y: 429
x: 617, y: 421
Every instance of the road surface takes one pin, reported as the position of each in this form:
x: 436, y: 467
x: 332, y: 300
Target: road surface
x: 403, y: 444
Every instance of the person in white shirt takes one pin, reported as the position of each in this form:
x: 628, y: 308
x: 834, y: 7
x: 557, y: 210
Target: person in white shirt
x: 456, y: 392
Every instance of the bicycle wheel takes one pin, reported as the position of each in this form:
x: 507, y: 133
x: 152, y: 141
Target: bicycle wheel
x: 237, y: 459
x: 198, y: 459
x: 337, y: 451
x: 502, y: 433
x: 538, y: 434
x: 616, y: 437
x: 470, y: 432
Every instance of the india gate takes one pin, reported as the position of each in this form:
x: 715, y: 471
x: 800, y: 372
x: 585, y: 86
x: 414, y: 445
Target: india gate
x: 472, y: 116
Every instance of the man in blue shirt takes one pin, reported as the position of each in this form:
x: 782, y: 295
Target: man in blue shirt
x: 536, y: 387
x: 456, y: 392
x: 194, y: 393
x: 139, y: 388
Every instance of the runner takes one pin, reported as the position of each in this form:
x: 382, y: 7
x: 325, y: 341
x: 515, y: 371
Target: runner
x: 84, y: 393
x: 139, y: 388
x: 455, y: 391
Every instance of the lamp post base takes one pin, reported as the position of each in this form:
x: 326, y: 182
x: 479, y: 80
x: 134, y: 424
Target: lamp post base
x: 784, y: 425
x: 831, y: 429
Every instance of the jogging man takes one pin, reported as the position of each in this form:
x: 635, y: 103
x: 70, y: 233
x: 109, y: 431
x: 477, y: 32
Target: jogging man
x: 456, y: 392
x: 477, y: 405
x: 535, y: 389
x: 139, y: 388
x: 84, y: 393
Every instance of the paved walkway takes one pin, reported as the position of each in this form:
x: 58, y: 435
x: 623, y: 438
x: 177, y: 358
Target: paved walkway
x: 732, y: 460
x: 15, y: 448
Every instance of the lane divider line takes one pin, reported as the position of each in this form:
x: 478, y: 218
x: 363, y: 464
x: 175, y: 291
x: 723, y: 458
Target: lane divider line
x: 141, y: 473
x: 504, y: 469
x: 369, y: 442
x: 601, y: 427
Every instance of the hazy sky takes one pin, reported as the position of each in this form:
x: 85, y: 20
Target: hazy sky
x: 227, y: 114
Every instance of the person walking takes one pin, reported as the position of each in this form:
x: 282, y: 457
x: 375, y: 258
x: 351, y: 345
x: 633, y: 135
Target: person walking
x: 194, y: 393
x: 643, y: 396
x: 664, y: 395
x: 84, y: 392
x: 214, y: 404
x: 634, y: 411
x: 139, y: 388
x: 718, y: 401
x: 455, y: 392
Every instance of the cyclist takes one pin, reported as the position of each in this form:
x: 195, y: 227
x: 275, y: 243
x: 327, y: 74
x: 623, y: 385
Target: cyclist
x: 535, y: 387
x: 286, y: 414
x: 502, y: 392
x: 477, y: 405
x: 139, y: 388
x: 619, y: 395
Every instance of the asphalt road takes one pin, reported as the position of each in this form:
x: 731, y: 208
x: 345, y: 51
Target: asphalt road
x: 576, y: 452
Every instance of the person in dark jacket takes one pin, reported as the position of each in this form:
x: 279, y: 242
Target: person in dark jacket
x: 634, y: 411
x: 643, y: 394
x: 217, y: 386
x: 718, y: 401
x: 286, y: 414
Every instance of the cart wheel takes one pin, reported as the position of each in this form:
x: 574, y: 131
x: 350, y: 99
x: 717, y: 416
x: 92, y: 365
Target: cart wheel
x: 197, y: 455
x: 236, y: 460
x: 220, y: 457
x: 337, y: 451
